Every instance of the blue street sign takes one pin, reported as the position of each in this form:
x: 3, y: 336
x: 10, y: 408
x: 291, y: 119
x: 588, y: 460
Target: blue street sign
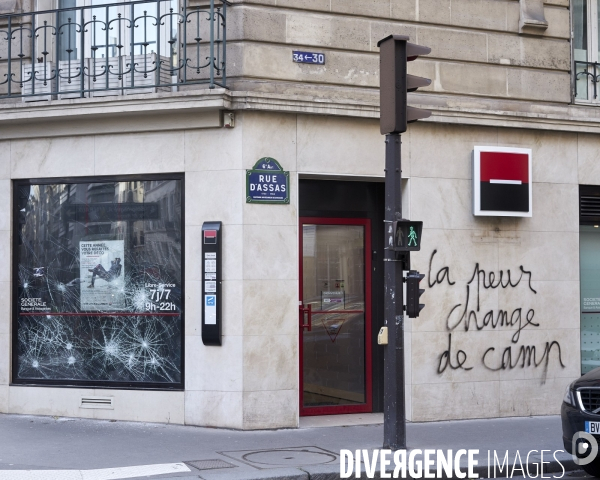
x: 308, y: 57
x: 267, y: 183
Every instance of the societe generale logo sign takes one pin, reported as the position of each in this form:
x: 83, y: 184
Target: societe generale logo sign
x: 502, y: 182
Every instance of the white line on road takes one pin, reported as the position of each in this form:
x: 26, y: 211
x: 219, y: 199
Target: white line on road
x: 99, y: 474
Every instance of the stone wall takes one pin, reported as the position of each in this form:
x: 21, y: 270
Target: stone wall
x: 252, y: 380
x: 490, y: 369
x: 484, y: 72
x: 476, y: 45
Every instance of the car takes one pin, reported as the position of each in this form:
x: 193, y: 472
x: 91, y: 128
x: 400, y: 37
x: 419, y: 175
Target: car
x: 580, y: 414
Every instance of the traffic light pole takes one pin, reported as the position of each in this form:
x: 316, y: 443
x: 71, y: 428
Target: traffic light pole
x: 394, y: 423
x: 394, y: 53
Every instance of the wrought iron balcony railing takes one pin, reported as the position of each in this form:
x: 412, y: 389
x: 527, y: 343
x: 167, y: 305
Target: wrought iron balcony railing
x: 587, y: 76
x: 112, y: 49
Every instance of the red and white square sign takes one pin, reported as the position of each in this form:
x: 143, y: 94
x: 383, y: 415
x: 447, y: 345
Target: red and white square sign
x: 502, y: 182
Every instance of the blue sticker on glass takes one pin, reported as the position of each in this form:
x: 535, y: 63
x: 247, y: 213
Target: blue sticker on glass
x: 210, y: 300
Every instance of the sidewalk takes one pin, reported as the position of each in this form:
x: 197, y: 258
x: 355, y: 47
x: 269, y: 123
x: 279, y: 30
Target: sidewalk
x: 308, y: 453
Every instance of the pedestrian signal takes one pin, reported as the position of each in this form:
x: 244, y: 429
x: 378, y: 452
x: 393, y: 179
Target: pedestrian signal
x: 403, y: 235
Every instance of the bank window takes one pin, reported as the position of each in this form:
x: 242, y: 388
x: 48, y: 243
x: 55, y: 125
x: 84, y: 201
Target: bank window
x: 589, y: 270
x: 586, y: 44
x: 98, y: 283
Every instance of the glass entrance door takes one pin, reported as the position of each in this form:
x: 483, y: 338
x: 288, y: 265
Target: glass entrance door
x: 335, y: 316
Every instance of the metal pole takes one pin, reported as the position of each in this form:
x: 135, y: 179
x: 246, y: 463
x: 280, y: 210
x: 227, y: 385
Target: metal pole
x: 212, y: 44
x: 9, y: 56
x: 224, y: 44
x: 394, y: 418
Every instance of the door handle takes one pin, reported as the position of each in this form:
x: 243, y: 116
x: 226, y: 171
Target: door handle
x: 308, y: 311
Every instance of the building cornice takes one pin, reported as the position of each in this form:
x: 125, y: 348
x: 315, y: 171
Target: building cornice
x: 202, y: 109
x: 453, y: 109
x: 119, y: 114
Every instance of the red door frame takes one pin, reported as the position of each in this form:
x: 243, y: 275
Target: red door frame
x: 340, y: 409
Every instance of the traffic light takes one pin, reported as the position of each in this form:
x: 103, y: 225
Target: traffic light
x: 403, y: 235
x: 394, y: 53
x: 413, y: 292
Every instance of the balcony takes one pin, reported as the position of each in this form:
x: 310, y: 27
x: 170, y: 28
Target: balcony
x: 108, y: 49
x: 587, y: 76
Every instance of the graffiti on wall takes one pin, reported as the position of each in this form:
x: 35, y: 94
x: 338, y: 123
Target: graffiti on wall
x: 469, y: 316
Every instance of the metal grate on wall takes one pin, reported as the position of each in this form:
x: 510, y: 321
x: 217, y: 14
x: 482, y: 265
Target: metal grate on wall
x: 589, y: 204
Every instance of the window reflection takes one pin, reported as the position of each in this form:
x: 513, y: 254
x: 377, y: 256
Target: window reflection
x: 333, y: 283
x: 99, y: 282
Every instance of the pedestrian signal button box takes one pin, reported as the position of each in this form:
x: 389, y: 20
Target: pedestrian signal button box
x: 382, y: 336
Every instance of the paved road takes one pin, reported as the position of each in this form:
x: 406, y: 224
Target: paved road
x: 48, y: 443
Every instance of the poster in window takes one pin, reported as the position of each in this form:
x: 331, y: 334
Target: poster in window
x: 102, y: 271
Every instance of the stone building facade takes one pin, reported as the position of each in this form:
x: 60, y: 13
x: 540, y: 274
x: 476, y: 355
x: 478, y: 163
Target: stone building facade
x: 502, y: 75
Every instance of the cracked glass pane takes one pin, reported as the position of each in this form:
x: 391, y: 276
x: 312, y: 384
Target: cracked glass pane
x: 99, y: 282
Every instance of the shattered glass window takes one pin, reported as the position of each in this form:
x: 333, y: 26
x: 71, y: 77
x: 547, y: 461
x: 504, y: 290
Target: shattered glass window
x: 98, y: 276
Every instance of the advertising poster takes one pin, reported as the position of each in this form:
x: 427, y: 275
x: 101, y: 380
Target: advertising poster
x: 102, y: 274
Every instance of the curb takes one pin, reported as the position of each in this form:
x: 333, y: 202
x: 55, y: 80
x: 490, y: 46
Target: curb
x: 332, y: 472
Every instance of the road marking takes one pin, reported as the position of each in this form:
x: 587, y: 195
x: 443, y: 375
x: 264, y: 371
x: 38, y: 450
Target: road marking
x: 99, y: 474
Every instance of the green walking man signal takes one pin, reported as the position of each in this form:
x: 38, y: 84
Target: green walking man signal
x: 412, y: 237
x: 403, y: 235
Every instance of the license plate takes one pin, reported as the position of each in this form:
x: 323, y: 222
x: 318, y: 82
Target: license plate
x: 592, y: 427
